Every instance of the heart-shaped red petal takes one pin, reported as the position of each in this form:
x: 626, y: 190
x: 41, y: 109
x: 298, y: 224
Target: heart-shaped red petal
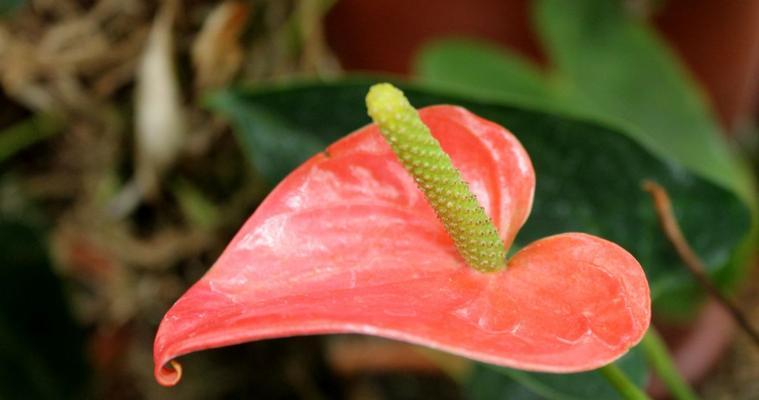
x: 347, y: 243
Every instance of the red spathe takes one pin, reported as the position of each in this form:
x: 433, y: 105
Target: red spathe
x: 347, y: 243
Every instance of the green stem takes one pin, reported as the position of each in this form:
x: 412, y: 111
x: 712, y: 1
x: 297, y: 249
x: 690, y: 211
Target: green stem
x: 617, y: 378
x: 659, y: 360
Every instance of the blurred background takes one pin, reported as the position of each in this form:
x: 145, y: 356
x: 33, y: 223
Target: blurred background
x: 121, y: 179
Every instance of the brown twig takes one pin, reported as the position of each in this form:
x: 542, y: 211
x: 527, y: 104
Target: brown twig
x: 672, y: 230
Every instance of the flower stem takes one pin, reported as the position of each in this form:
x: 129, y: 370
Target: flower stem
x: 472, y: 231
x: 659, y: 360
x: 617, y: 378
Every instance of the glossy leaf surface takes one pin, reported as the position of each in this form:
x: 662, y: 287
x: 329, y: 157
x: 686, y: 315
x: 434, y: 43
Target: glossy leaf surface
x: 347, y: 243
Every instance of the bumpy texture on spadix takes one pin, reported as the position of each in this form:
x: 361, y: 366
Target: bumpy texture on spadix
x: 348, y: 243
x: 462, y: 215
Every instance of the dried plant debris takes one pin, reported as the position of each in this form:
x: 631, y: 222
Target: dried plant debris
x: 123, y: 81
x: 217, y: 52
x: 160, y: 129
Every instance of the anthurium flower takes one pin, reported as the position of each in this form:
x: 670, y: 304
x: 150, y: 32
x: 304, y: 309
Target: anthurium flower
x: 348, y: 243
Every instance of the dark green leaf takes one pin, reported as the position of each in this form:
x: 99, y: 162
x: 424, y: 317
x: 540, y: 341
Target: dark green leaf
x: 588, y: 176
x: 272, y: 145
x: 487, y: 382
x: 41, y: 349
